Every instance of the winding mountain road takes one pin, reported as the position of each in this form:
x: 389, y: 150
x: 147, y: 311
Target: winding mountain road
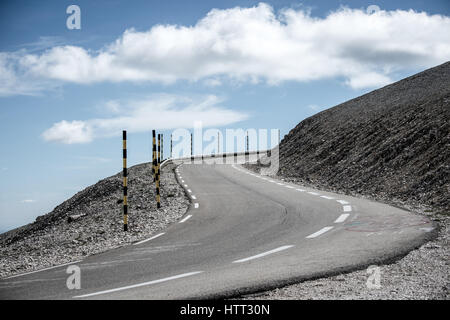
x: 243, y: 233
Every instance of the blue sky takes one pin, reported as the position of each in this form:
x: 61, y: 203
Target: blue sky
x: 65, y: 95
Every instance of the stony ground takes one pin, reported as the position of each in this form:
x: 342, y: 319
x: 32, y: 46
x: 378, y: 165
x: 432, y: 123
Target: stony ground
x: 422, y: 274
x: 390, y: 145
x: 392, y: 142
x: 92, y: 221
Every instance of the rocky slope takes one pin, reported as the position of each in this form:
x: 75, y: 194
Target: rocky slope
x: 392, y: 143
x: 92, y: 221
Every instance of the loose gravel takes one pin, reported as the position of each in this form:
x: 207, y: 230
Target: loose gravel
x: 421, y: 274
x: 92, y: 222
x: 390, y: 145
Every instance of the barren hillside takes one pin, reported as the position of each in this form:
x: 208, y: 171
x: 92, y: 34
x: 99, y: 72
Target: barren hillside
x: 392, y: 143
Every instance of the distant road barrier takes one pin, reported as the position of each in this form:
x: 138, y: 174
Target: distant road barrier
x: 125, y: 188
x: 157, y: 165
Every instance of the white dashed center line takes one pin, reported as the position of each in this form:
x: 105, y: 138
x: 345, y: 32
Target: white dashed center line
x: 318, y: 233
x: 347, y: 208
x: 263, y: 254
x: 342, y: 201
x: 342, y: 218
x: 327, y: 197
x: 140, y: 284
x: 154, y: 237
x: 195, y: 205
x: 185, y: 218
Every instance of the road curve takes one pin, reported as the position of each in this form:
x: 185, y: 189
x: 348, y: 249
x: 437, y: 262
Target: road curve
x: 243, y: 233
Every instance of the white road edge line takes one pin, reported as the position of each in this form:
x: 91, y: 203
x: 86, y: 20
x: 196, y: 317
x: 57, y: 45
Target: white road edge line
x: 314, y: 193
x: 347, y: 208
x: 327, y: 197
x: 301, y: 190
x: 196, y: 205
x: 318, y: 233
x: 342, y: 218
x: 342, y: 201
x: 45, y: 269
x: 263, y: 254
x: 186, y: 218
x: 189, y: 190
x: 154, y: 237
x: 290, y: 187
x: 139, y: 284
x: 194, y: 197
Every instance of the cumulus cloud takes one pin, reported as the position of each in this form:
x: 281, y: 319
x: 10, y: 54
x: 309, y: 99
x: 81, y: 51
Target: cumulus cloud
x: 160, y: 112
x: 256, y: 45
x: 69, y: 132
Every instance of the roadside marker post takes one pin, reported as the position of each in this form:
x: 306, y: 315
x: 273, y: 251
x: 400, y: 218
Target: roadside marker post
x: 158, y: 197
x: 192, y: 153
x: 125, y: 188
x: 171, y: 154
x: 159, y: 150
x: 247, y: 154
x: 162, y: 146
x: 154, y: 155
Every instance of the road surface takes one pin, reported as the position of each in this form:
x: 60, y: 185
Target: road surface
x: 243, y: 233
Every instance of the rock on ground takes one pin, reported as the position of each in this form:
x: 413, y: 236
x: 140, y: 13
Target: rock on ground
x: 92, y: 222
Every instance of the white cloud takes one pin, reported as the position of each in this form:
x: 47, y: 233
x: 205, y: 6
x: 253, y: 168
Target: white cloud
x: 367, y: 80
x: 69, y: 132
x: 156, y: 112
x: 257, y: 45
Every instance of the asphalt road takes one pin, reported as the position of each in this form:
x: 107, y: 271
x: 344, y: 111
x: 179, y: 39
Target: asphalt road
x: 243, y: 233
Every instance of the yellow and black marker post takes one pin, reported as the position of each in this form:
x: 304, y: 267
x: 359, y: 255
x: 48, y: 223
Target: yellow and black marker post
x: 171, y: 155
x: 159, y: 150
x: 192, y: 150
x: 125, y: 190
x: 154, y: 155
x: 158, y: 197
x: 247, y: 151
x: 162, y: 146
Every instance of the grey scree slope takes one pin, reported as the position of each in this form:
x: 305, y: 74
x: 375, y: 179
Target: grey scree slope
x: 390, y: 145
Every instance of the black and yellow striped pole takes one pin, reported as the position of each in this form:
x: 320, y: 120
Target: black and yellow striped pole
x: 158, y: 196
x: 162, y: 146
x: 125, y: 191
x: 247, y: 144
x: 159, y: 150
x: 171, y: 155
x: 154, y: 155
x: 192, y: 149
